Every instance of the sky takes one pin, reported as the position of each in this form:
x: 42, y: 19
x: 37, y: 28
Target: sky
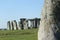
x: 15, y: 9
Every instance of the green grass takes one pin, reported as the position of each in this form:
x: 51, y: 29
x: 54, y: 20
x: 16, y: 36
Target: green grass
x: 30, y: 34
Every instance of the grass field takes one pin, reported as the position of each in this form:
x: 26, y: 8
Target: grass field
x: 30, y: 34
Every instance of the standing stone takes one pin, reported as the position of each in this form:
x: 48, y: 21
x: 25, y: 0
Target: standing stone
x: 12, y: 26
x: 25, y: 24
x: 50, y: 21
x: 31, y: 23
x: 22, y: 23
x: 19, y: 25
x: 8, y: 25
x: 15, y: 25
x: 36, y: 22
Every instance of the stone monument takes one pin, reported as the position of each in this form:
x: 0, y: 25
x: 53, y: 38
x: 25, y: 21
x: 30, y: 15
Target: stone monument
x: 50, y: 21
x: 8, y: 25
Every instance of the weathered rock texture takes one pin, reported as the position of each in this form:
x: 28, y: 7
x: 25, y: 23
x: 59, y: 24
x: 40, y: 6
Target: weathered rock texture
x: 50, y: 21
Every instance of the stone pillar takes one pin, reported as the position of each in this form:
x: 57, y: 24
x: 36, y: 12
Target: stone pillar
x: 31, y: 23
x: 50, y: 21
x: 15, y: 25
x: 22, y: 23
x: 25, y: 24
x: 19, y: 25
x: 38, y: 23
x: 12, y: 26
x: 35, y: 22
x: 8, y: 25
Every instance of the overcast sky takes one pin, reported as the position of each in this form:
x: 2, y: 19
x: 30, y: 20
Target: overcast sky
x: 16, y: 9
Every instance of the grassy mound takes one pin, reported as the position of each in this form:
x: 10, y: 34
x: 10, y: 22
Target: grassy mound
x: 30, y: 34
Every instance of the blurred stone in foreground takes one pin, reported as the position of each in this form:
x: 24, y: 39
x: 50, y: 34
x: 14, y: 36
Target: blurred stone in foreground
x: 50, y: 21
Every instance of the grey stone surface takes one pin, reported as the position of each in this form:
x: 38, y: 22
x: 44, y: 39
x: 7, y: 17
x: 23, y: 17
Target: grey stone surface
x: 15, y: 25
x: 8, y: 25
x: 22, y: 22
x: 19, y: 25
x: 12, y: 28
x: 34, y: 23
x: 31, y: 23
x: 50, y: 21
x: 25, y: 24
x: 11, y: 25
